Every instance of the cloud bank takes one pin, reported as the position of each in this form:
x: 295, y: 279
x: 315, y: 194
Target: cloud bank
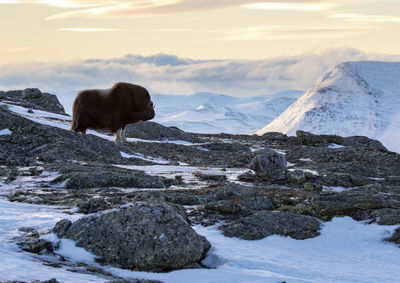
x: 170, y: 74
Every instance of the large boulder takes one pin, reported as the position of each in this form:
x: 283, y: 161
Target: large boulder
x: 104, y: 178
x: 147, y: 236
x: 266, y: 223
x: 271, y: 164
x: 35, y: 99
x: 357, y: 203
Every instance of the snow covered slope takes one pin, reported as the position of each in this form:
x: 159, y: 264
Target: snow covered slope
x: 216, y: 113
x: 353, y: 98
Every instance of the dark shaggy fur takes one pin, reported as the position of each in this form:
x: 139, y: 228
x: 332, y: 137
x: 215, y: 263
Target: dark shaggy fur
x: 111, y: 110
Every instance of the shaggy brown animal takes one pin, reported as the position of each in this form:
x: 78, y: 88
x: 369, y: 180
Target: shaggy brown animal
x: 111, y: 110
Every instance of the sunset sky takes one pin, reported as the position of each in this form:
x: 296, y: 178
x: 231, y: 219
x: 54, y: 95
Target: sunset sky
x: 45, y: 30
x: 234, y: 47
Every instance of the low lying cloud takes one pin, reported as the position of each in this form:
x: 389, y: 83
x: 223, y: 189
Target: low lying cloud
x: 174, y: 75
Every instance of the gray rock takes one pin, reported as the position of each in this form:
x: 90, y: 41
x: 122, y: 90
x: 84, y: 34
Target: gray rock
x: 312, y: 187
x: 256, y: 203
x: 356, y: 203
x: 395, y: 238
x: 93, y: 205
x: 107, y: 178
x: 140, y: 236
x: 35, y: 245
x: 211, y: 177
x: 361, y: 141
x: 274, y: 136
x: 31, y: 93
x: 271, y: 164
x: 349, y: 166
x: 309, y: 138
x: 265, y: 223
x: 223, y: 207
x: 354, y: 141
x: 386, y: 216
x: 154, y: 131
x: 30, y: 242
x: 296, y: 177
x: 232, y: 192
x: 228, y: 147
x: 33, y: 98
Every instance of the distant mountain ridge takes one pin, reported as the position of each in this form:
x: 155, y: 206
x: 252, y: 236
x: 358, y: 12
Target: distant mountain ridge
x: 353, y: 98
x: 217, y: 113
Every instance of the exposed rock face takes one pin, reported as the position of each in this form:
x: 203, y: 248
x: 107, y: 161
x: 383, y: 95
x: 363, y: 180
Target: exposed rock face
x: 296, y: 177
x: 395, y: 237
x: 354, y: 141
x: 115, y: 178
x: 141, y: 236
x: 31, y: 142
x: 154, y: 131
x: 357, y: 203
x: 30, y: 242
x: 33, y: 98
x: 228, y: 147
x: 271, y: 164
x: 386, y: 216
x: 265, y: 223
x: 348, y: 166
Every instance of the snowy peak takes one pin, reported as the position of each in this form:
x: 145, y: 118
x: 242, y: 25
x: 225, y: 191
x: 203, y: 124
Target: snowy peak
x: 353, y: 98
x: 217, y: 113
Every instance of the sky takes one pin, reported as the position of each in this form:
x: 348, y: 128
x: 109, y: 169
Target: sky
x: 235, y: 47
x: 48, y: 30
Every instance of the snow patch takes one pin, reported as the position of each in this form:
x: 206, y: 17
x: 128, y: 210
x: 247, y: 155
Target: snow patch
x: 68, y: 249
x: 5, y: 132
x: 334, y: 145
x: 151, y: 159
x: 305, y: 170
x: 334, y: 189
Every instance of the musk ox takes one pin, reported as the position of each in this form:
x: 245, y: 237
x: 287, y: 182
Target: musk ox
x: 112, y: 109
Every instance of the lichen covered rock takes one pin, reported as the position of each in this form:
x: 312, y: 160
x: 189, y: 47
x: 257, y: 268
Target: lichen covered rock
x: 148, y: 236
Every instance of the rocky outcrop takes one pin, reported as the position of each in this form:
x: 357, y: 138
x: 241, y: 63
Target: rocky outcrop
x: 30, y: 242
x: 271, y: 164
x: 265, y: 223
x: 31, y: 143
x: 357, y: 203
x: 33, y: 98
x: 348, y: 166
x: 148, y: 236
x: 105, y: 177
x: 395, y: 238
x: 155, y: 131
x: 353, y: 141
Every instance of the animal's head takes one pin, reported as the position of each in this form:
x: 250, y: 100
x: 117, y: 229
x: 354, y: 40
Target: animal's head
x: 149, y: 112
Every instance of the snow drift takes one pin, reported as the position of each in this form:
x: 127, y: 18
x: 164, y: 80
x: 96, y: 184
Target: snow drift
x: 353, y: 98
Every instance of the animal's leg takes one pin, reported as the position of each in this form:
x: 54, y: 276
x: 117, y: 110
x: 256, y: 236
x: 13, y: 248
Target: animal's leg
x: 124, y: 139
x: 117, y: 136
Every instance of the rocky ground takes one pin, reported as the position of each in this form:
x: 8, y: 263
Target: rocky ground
x: 152, y: 191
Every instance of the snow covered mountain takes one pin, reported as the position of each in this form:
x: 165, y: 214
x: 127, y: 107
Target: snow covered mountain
x: 353, y: 98
x: 216, y: 113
